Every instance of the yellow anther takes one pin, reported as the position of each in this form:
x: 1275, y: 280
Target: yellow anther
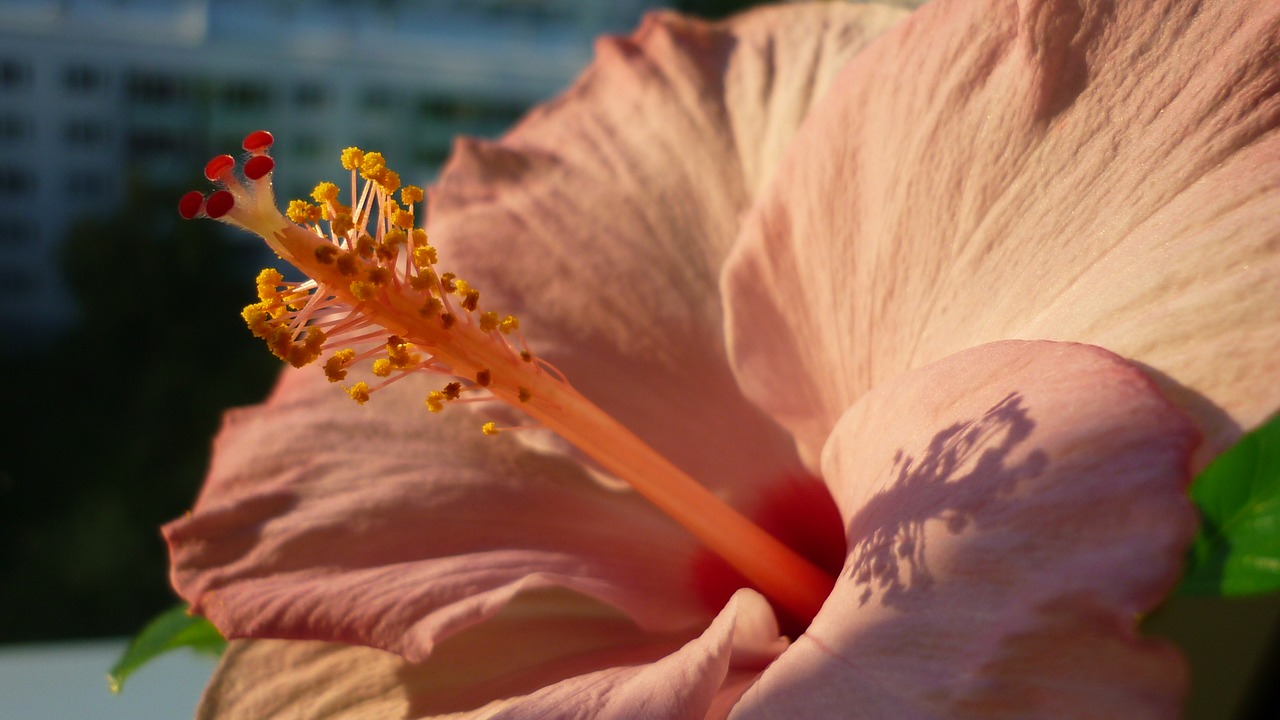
x: 348, y: 264
x: 304, y: 354
x: 315, y: 339
x: 342, y: 224
x: 363, y: 290
x: 331, y: 210
x: 508, y: 324
x: 394, y: 238
x: 258, y: 318
x: 524, y: 394
x: 424, y: 256
x: 326, y: 253
x: 372, y: 164
x: 489, y: 428
x: 431, y: 307
x: 471, y: 299
x: 489, y: 321
x: 325, y: 192
x: 425, y: 281
x: 446, y: 282
x: 268, y: 281
x: 303, y: 212
x: 410, y: 194
x: 335, y: 367
x: 382, y: 367
x: 359, y: 392
x: 389, y: 180
x: 401, y: 354
x: 419, y: 236
x: 435, y: 401
x: 352, y: 158
x: 279, y: 341
x: 402, y: 218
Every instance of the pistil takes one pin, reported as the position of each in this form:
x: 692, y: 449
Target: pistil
x: 374, y: 279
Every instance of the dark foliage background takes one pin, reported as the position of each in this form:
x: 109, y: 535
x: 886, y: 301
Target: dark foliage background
x: 712, y: 8
x: 114, y: 420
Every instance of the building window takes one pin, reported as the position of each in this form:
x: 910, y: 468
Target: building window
x: 82, y: 79
x: 377, y: 99
x: 155, y: 88
x: 14, y: 73
x: 85, y: 132
x: 466, y: 110
x: 159, y: 143
x: 16, y: 182
x: 247, y: 95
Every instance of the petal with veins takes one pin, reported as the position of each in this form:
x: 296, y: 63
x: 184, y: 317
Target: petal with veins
x: 1088, y: 171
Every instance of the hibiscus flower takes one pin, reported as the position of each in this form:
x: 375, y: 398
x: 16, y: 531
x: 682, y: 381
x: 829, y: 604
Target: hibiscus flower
x: 952, y: 304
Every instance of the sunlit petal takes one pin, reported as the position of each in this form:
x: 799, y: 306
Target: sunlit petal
x: 1090, y: 171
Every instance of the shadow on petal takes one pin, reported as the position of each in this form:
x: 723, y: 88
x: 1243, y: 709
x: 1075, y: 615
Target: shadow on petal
x: 964, y: 468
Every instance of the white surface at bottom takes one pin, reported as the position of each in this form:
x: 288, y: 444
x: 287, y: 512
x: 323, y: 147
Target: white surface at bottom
x: 65, y: 681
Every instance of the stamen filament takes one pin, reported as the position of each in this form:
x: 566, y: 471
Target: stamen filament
x: 788, y: 579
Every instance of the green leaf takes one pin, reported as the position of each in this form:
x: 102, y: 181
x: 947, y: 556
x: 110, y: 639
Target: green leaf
x: 1237, y: 551
x: 172, y: 629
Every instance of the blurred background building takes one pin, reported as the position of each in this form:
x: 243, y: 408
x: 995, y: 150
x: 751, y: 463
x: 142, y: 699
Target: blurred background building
x: 95, y: 94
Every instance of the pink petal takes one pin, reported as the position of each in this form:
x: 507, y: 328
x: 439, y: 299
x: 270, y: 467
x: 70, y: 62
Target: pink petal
x: 683, y: 684
x: 388, y: 526
x: 603, y: 218
x: 535, y: 659
x: 1011, y: 510
x: 1091, y: 171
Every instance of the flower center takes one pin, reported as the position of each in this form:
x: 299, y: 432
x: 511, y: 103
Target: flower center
x: 375, y: 294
